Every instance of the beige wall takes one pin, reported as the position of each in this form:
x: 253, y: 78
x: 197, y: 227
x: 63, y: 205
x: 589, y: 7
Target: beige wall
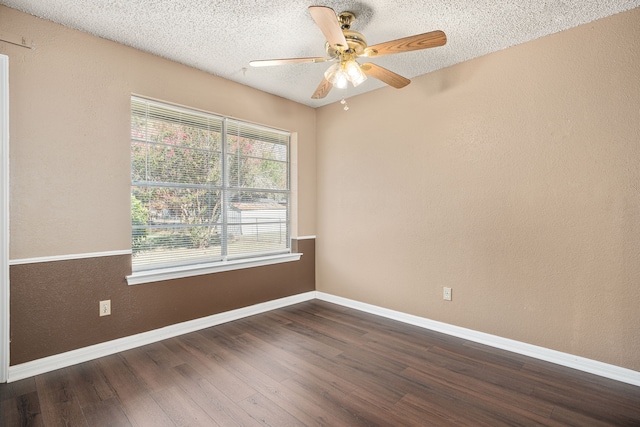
x: 70, y: 165
x: 512, y: 178
x: 70, y: 184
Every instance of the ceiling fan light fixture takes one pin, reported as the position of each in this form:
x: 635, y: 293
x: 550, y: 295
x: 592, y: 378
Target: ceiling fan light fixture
x: 356, y: 76
x: 337, y: 76
x: 340, y: 74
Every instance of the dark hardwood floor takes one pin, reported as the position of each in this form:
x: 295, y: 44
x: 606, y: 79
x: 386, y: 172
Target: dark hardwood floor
x: 317, y: 364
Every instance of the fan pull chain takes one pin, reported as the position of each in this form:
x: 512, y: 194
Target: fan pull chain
x: 344, y: 102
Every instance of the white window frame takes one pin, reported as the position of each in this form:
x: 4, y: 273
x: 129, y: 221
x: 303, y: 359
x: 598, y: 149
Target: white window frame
x: 4, y: 218
x: 226, y: 264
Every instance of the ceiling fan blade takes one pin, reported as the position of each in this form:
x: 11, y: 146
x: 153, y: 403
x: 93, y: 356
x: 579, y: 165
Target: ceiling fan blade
x: 407, y: 44
x: 327, y: 20
x: 322, y: 90
x: 270, y: 62
x: 387, y: 76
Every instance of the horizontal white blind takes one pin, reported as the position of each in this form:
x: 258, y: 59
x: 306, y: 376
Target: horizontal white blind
x: 205, y: 188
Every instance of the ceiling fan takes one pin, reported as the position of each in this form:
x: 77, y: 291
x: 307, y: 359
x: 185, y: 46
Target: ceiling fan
x: 345, y: 45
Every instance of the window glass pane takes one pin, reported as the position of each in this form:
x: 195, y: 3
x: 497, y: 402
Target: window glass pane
x: 257, y: 222
x: 138, y: 161
x: 185, y: 218
x: 261, y: 133
x: 171, y: 245
x: 257, y: 164
x: 176, y: 205
x: 251, y: 172
x: 178, y: 187
x: 185, y: 165
x: 256, y: 148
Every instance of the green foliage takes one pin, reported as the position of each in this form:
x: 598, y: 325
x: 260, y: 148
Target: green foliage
x: 176, y: 169
x: 257, y: 164
x: 139, y: 216
x: 168, y: 156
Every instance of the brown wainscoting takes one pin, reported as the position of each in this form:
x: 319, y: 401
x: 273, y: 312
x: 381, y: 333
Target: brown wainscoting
x: 54, y: 305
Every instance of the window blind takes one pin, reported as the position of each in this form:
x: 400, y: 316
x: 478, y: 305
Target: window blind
x: 205, y: 188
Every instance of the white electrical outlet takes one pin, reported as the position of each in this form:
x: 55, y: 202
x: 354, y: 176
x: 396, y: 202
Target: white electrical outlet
x: 105, y: 307
x: 446, y: 293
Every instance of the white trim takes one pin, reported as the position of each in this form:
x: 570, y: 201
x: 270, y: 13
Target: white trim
x: 68, y: 257
x: 4, y: 218
x: 149, y: 276
x: 47, y: 364
x: 565, y: 359
x: 58, y: 361
x: 304, y: 237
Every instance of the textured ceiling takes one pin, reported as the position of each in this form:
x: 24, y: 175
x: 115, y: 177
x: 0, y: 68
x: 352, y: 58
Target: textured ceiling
x: 221, y: 37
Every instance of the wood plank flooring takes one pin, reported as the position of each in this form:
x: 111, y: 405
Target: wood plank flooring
x: 317, y: 364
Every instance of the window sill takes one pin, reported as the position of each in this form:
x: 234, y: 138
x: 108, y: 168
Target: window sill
x: 149, y: 276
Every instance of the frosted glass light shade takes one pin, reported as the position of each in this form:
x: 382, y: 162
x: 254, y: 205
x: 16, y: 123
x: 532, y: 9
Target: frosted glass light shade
x: 356, y: 76
x: 341, y: 73
x: 337, y: 76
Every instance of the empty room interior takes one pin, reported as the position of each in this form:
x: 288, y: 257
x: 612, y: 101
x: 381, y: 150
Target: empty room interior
x: 480, y: 225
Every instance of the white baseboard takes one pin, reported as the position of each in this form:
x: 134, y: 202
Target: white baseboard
x: 47, y: 364
x: 569, y: 360
x: 73, y: 357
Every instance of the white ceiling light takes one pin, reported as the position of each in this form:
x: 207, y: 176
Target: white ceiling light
x: 343, y: 72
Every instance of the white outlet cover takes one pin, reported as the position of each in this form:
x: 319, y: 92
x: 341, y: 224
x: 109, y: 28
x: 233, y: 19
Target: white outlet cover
x: 105, y: 308
x: 446, y: 294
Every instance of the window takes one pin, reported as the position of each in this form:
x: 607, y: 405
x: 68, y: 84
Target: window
x: 204, y: 188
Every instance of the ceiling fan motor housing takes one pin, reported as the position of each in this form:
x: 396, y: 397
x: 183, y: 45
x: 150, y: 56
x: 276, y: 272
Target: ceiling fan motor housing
x: 356, y: 40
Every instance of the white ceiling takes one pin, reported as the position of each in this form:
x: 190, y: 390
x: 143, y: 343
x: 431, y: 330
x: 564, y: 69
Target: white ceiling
x: 221, y: 37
